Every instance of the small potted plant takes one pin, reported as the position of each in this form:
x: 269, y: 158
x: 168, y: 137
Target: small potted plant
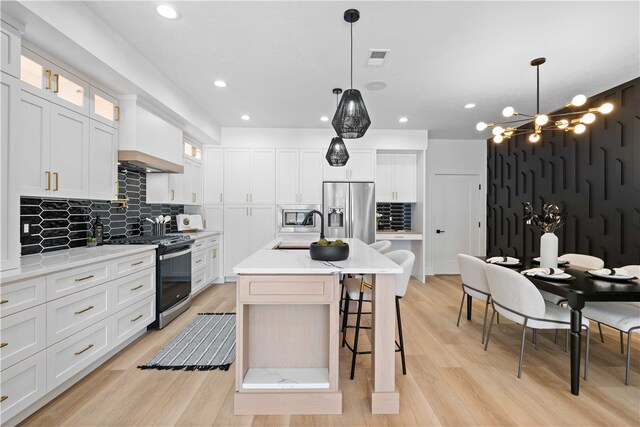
x: 91, y: 242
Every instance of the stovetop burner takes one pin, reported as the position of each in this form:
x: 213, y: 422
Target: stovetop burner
x: 167, y: 239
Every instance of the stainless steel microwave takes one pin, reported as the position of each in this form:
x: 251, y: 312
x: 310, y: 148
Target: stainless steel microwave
x: 291, y: 217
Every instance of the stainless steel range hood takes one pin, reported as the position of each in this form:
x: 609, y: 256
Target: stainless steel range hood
x: 143, y: 162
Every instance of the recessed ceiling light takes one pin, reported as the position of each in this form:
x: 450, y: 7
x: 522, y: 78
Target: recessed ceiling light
x: 375, y: 85
x: 245, y: 117
x: 167, y: 11
x: 324, y: 119
x: 220, y: 83
x: 470, y: 105
x: 403, y: 120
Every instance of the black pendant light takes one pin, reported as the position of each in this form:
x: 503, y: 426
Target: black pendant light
x: 337, y: 154
x: 351, y: 119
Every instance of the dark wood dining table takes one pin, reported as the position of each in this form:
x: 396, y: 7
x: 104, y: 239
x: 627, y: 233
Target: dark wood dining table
x: 582, y: 288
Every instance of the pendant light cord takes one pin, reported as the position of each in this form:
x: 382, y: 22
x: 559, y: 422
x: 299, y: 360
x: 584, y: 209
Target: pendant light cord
x: 352, y: 55
x: 537, y: 89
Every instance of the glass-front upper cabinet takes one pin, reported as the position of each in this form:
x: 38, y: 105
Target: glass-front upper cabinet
x: 104, y: 108
x: 35, y: 71
x: 70, y: 91
x: 192, y: 151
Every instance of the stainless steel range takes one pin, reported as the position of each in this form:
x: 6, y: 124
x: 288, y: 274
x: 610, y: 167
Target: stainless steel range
x: 173, y: 273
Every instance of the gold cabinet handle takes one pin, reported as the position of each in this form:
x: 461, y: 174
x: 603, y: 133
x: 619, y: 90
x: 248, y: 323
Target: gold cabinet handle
x: 3, y: 344
x: 56, y: 78
x: 199, y: 280
x: 221, y: 197
x: 137, y: 263
x: 83, y: 310
x: 193, y: 197
x: 4, y: 301
x: 48, y: 79
x: 137, y: 318
x: 117, y: 110
x: 173, y: 195
x: 85, y: 278
x: 56, y: 175
x: 78, y: 353
x: 117, y: 188
x: 136, y: 288
x: 198, y: 261
x: 48, y: 180
x: 3, y: 398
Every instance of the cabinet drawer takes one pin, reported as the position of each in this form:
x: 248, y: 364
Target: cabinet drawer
x: 78, y: 279
x: 70, y: 356
x: 133, y: 288
x: 22, y: 335
x: 212, y: 241
x: 198, y: 280
x: 23, y: 384
x: 18, y: 296
x: 199, y: 244
x: 134, y: 263
x: 66, y: 316
x: 133, y: 319
x: 198, y: 260
x: 279, y: 289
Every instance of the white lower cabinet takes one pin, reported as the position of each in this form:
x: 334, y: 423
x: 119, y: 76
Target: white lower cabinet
x: 198, y: 281
x: 247, y: 229
x: 204, y: 263
x: 128, y: 322
x: 22, y: 384
x: 130, y: 289
x: 22, y: 334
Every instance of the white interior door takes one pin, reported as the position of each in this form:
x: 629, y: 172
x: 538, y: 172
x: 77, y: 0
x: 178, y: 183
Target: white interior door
x: 457, y: 207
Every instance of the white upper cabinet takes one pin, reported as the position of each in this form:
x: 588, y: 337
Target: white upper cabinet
x: 249, y: 176
x: 396, y: 177
x: 103, y: 170
x: 299, y: 176
x: 10, y: 49
x: 213, y: 176
x: 9, y: 176
x: 186, y: 192
x: 70, y: 90
x: 360, y: 167
x: 103, y: 107
x: 196, y: 183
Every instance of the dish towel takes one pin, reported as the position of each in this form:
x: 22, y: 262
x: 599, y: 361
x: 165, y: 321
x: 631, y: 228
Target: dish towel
x: 541, y: 270
x: 619, y: 272
x: 496, y: 259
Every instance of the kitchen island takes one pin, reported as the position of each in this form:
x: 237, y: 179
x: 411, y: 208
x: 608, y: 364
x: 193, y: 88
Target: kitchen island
x: 287, y: 331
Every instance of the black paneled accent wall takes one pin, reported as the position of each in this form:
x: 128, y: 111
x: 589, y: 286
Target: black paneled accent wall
x: 62, y: 224
x: 594, y: 177
x: 394, y: 216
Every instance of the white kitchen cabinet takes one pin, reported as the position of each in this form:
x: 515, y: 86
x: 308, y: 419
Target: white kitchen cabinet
x: 263, y: 223
x: 36, y: 72
x: 360, y: 167
x: 213, y: 262
x: 175, y: 188
x: 196, y: 183
x: 299, y: 176
x: 186, y: 191
x: 103, y: 169
x: 213, y: 190
x: 103, y: 107
x: 247, y: 229
x: 70, y: 90
x: 396, y: 177
x: 23, y: 384
x: 10, y: 49
x: 249, y: 176
x: 213, y: 217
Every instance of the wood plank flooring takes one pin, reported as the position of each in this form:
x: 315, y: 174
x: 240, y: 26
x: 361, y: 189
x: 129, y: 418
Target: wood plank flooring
x: 450, y: 380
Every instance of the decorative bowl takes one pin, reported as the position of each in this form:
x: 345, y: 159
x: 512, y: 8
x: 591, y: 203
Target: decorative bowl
x: 328, y: 253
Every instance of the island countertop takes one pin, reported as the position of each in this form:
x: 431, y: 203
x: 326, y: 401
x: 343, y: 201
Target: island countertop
x: 362, y: 260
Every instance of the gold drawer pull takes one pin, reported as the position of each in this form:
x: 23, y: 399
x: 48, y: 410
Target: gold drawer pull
x: 137, y: 318
x: 57, y: 176
x: 78, y: 353
x: 137, y: 287
x: 85, y: 278
x: 3, y: 344
x: 198, y: 261
x: 137, y: 263
x: 4, y: 301
x: 56, y: 78
x: 3, y: 398
x: 117, y: 112
x: 199, y: 280
x: 86, y: 309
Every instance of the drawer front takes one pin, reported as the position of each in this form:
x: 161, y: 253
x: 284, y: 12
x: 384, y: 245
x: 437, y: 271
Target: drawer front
x: 212, y: 241
x: 199, y: 245
x: 133, y: 288
x: 78, y: 279
x: 198, y: 260
x: 22, y: 335
x: 18, y: 296
x: 134, y: 263
x: 133, y: 319
x: 66, y: 316
x: 22, y: 385
x: 70, y: 356
x: 278, y: 289
x: 198, y: 280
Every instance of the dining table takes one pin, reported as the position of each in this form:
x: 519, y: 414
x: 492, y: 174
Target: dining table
x: 581, y: 288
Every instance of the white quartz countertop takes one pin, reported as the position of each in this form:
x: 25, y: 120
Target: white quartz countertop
x: 51, y: 262
x: 362, y: 259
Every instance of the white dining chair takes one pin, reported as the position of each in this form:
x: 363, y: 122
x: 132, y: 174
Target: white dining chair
x: 623, y: 316
x: 359, y: 290
x: 578, y: 260
x: 474, y: 284
x: 517, y: 298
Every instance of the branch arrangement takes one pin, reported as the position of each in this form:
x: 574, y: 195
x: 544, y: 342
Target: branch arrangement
x: 549, y: 220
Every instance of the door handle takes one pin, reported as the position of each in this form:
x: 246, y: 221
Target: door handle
x: 48, y: 180
x: 439, y: 231
x: 221, y: 197
x: 56, y: 175
x: 56, y: 79
x: 48, y: 87
x: 117, y: 113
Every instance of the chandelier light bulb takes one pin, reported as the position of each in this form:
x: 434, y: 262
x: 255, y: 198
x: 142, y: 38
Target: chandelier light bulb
x: 579, y: 128
x: 497, y: 130
x: 562, y: 124
x: 578, y: 100
x: 534, y: 137
x: 481, y: 126
x: 498, y: 139
x: 542, y: 119
x: 508, y: 111
x: 606, y: 108
x: 588, y: 118
x: 508, y: 133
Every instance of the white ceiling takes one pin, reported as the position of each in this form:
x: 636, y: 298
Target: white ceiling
x: 281, y: 59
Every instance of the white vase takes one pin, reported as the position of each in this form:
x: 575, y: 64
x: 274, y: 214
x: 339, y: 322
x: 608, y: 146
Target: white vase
x: 549, y: 250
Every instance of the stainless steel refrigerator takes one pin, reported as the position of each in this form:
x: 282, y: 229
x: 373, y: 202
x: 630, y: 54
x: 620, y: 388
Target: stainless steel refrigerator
x: 349, y: 210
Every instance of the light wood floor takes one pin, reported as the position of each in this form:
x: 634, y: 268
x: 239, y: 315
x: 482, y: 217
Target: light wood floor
x: 450, y: 380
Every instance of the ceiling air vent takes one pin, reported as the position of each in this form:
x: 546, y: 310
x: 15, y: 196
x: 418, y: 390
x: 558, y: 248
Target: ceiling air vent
x: 377, y: 57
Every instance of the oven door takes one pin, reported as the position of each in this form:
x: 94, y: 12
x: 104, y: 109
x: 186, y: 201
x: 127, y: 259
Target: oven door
x: 174, y: 277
